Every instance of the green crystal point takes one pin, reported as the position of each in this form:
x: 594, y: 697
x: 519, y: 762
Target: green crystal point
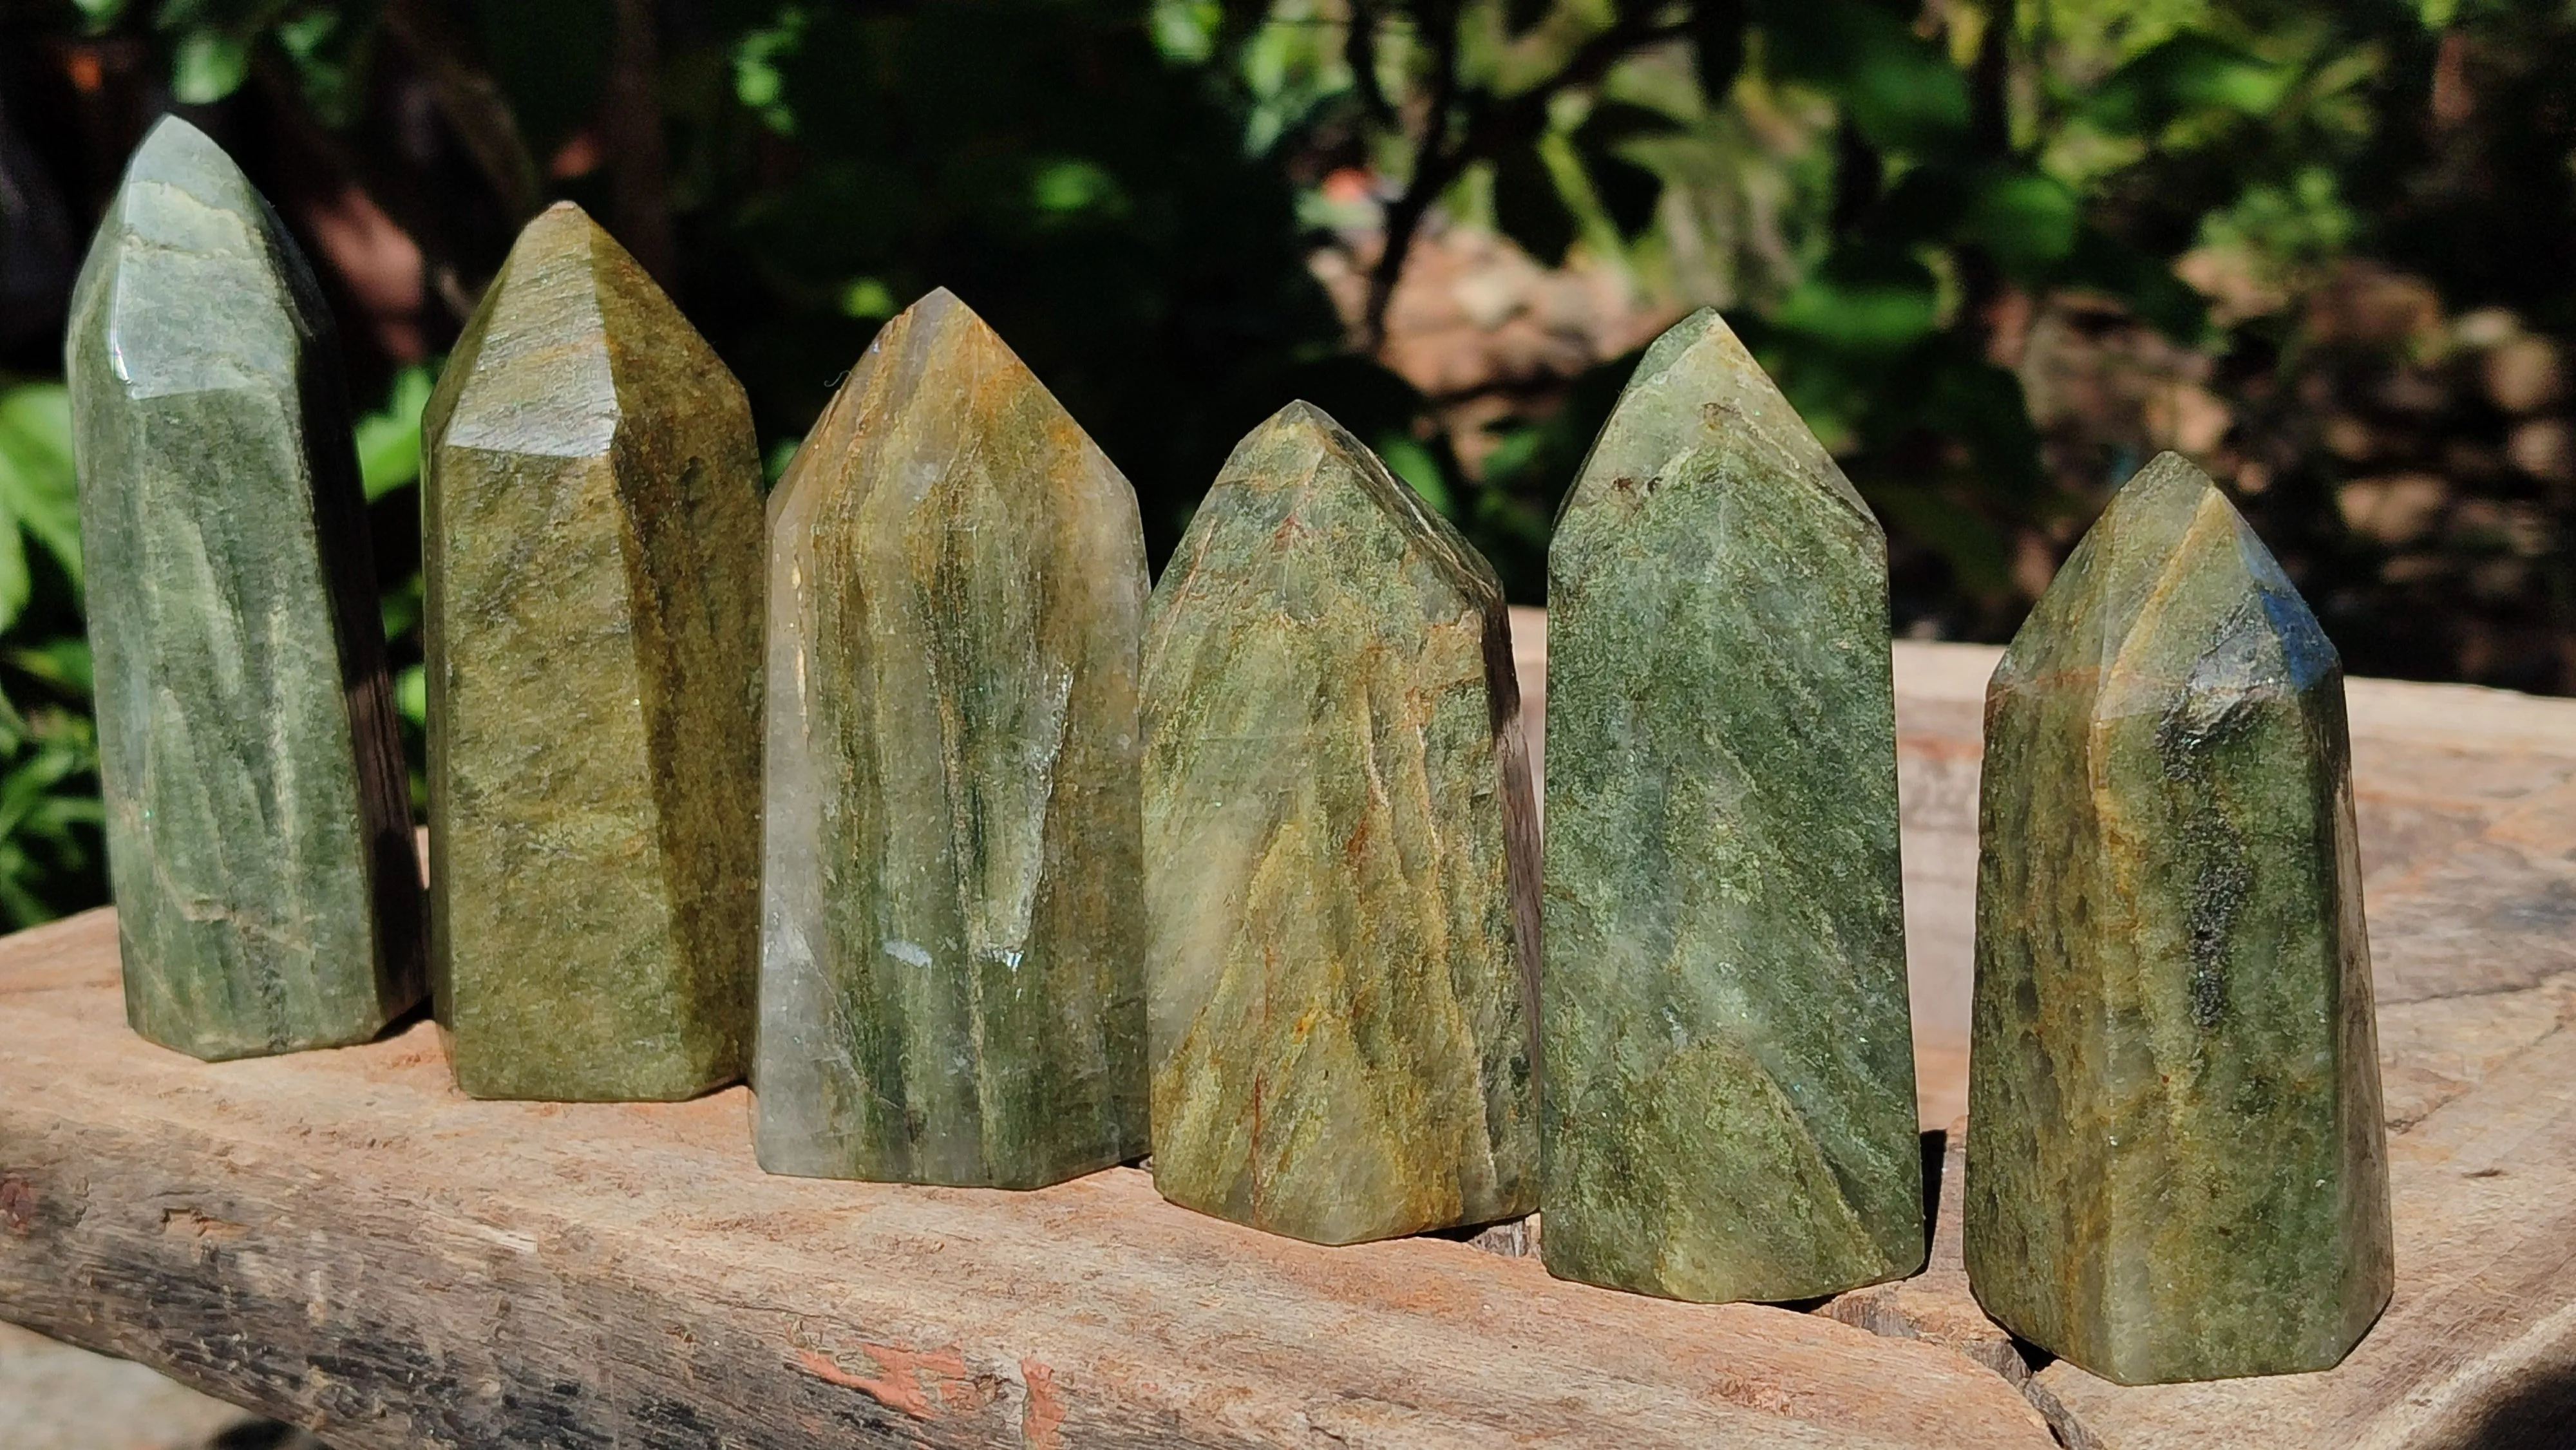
x: 1340, y: 857
x: 592, y: 531
x: 952, y: 963
x: 258, y: 819
x: 1730, y: 1106
x: 2179, y: 1168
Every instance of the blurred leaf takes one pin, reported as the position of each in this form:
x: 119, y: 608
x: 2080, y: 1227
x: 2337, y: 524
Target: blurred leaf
x: 1864, y: 315
x: 1528, y: 207
x: 2025, y: 219
x: 411, y: 695
x: 63, y: 663
x: 1066, y: 188
x: 15, y: 583
x: 329, y: 49
x: 757, y: 83
x: 2300, y: 222
x: 37, y: 484
x: 207, y: 66
x: 1407, y: 459
x: 1609, y: 123
x: 1626, y: 191
x: 399, y: 608
x: 1717, y: 47
x: 49, y: 817
x: 2189, y: 72
x: 867, y: 299
x: 389, y: 438
x: 1964, y: 539
x: 1185, y: 30
x: 1897, y: 87
x: 2146, y: 284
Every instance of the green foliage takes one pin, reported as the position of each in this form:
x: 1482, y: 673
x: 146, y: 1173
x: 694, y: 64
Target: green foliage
x: 1133, y: 192
x: 50, y: 855
x: 1096, y: 204
x: 389, y: 438
x: 37, y: 499
x: 50, y: 818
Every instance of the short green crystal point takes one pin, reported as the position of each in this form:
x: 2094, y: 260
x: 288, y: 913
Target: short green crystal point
x: 952, y: 966
x: 1730, y: 1068
x: 258, y: 821
x: 2179, y: 1168
x: 592, y: 531
x: 1340, y: 857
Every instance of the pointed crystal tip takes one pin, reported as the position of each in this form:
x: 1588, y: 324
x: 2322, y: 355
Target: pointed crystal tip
x: 2169, y: 583
x: 1698, y: 395
x: 173, y: 144
x: 1301, y: 448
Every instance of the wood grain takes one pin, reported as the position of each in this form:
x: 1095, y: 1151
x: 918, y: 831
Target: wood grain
x: 341, y: 1240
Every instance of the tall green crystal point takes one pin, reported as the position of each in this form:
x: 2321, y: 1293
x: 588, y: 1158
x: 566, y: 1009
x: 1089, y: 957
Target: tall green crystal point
x: 2179, y: 1170
x: 258, y: 820
x: 1340, y: 857
x: 952, y: 945
x: 592, y: 531
x: 1730, y: 1105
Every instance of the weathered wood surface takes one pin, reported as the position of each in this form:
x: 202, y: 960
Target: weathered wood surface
x: 341, y: 1240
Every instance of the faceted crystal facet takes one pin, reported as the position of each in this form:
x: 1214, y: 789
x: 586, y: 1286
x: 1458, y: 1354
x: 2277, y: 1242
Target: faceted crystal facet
x: 593, y: 539
x: 2179, y: 1170
x: 1730, y: 1103
x: 952, y: 947
x: 1340, y: 857
x: 258, y: 821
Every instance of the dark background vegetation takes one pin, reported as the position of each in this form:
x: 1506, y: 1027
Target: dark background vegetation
x: 1999, y: 253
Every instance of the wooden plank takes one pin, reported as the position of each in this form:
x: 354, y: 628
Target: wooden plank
x: 337, y: 1239
x: 340, y: 1240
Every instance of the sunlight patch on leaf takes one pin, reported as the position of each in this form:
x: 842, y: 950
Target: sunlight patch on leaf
x: 389, y: 438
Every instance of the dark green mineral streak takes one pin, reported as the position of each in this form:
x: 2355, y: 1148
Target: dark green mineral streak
x: 1730, y: 1067
x: 592, y: 535
x: 258, y: 822
x: 952, y: 947
x: 1340, y: 857
x: 2179, y: 1171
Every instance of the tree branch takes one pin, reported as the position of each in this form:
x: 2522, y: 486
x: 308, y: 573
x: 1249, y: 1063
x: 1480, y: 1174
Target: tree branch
x: 1359, y: 51
x: 1434, y: 167
x: 1492, y: 128
x: 472, y: 103
x: 638, y: 180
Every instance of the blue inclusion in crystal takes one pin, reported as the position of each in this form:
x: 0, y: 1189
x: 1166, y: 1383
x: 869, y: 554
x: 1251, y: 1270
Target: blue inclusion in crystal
x: 2305, y: 651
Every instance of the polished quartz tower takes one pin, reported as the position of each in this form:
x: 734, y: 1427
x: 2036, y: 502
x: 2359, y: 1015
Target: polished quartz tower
x: 952, y: 944
x: 1340, y: 857
x: 2179, y: 1169
x: 592, y: 531
x: 258, y: 821
x: 1730, y: 1106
